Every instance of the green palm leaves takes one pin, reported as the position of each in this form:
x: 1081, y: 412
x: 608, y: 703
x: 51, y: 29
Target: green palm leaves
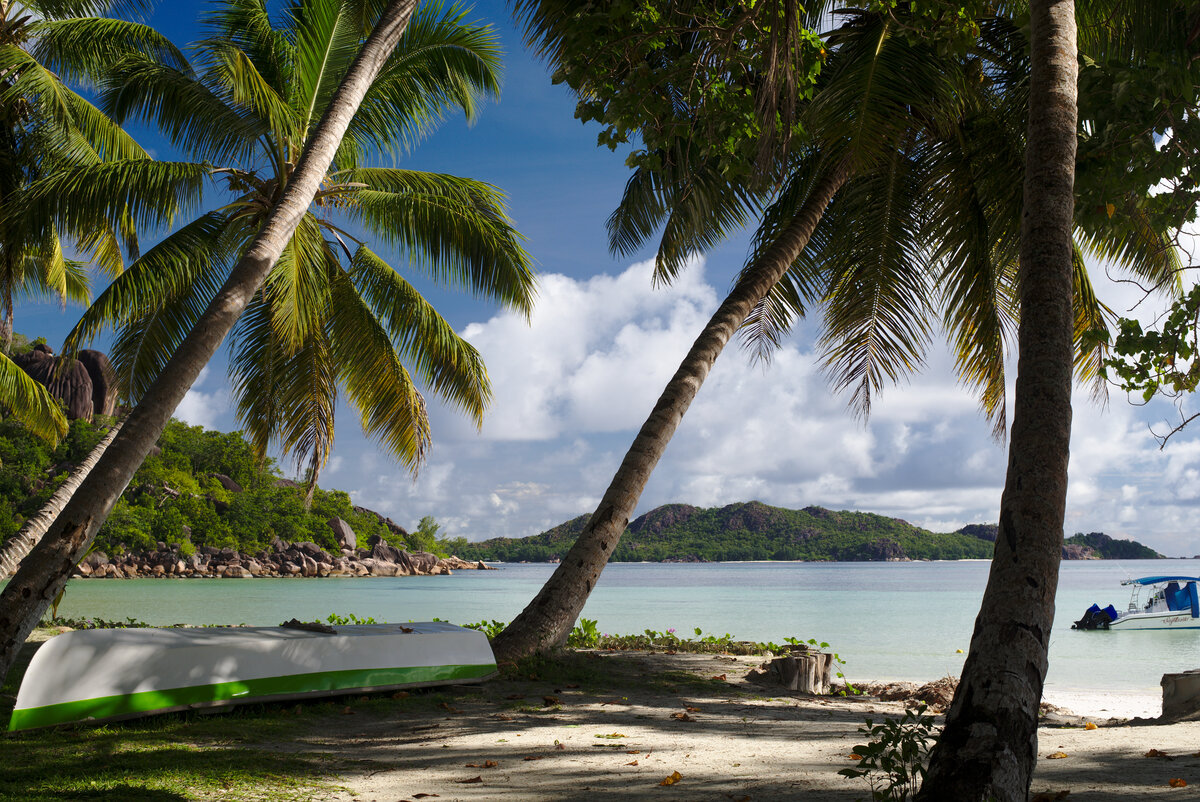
x: 334, y: 316
x: 51, y: 138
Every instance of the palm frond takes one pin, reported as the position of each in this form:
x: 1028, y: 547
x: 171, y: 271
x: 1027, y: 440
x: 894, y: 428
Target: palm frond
x: 150, y: 193
x: 156, y: 301
x: 454, y: 229
x: 692, y: 202
x: 190, y: 114
x: 442, y: 62
x: 1092, y: 322
x: 391, y: 409
x: 327, y: 39
x: 80, y: 50
x: 877, y: 310
x: 297, y: 288
x: 441, y: 359
x: 30, y: 403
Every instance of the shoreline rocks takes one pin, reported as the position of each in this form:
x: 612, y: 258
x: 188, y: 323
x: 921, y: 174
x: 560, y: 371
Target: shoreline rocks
x: 303, y: 559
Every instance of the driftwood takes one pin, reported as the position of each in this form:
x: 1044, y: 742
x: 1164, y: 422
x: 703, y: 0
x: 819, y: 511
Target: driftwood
x: 806, y: 672
x: 1181, y: 696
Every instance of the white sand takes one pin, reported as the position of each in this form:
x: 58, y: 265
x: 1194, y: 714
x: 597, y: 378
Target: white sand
x: 738, y: 741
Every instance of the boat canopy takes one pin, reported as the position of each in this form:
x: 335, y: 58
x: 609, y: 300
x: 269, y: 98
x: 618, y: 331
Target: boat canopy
x: 1154, y: 580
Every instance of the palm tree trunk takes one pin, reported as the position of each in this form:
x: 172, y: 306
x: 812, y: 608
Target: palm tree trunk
x: 545, y: 623
x: 988, y: 748
x: 24, y: 540
x: 46, y: 569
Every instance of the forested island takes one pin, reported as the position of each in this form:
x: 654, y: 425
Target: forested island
x: 757, y: 531
x: 203, y: 493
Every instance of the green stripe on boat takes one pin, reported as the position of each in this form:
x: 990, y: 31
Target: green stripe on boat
x: 242, y: 691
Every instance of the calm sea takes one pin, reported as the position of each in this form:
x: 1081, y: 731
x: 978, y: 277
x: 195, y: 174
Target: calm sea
x: 886, y: 620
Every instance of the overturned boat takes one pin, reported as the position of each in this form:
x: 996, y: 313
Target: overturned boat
x: 1173, y: 604
x: 108, y: 674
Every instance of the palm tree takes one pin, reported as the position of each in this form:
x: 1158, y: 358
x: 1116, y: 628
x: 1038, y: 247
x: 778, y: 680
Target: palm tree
x: 333, y: 314
x: 43, y: 574
x: 46, y: 127
x: 850, y: 240
x: 988, y: 748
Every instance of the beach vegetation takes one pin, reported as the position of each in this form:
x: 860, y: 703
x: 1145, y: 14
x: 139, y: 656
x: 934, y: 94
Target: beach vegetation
x: 893, y: 761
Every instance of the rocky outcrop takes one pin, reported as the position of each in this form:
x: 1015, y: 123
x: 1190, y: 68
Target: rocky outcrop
x: 86, y: 386
x: 282, y: 559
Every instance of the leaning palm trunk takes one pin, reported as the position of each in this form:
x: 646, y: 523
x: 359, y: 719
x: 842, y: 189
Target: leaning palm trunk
x: 545, y: 623
x: 46, y: 569
x: 24, y: 540
x: 988, y: 748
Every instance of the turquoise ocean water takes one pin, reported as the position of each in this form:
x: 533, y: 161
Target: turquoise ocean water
x: 886, y: 620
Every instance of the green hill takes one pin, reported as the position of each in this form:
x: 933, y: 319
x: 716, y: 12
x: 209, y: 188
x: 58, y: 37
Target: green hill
x: 747, y: 531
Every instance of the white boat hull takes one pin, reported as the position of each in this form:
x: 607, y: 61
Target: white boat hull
x: 1166, y: 619
x: 106, y: 674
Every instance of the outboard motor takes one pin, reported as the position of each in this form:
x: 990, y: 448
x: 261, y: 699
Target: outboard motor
x: 1094, y: 618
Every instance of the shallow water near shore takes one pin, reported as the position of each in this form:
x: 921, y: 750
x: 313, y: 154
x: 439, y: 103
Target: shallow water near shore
x: 886, y: 620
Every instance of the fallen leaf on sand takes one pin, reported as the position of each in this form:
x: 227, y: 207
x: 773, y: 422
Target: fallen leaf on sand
x: 682, y: 717
x: 611, y: 735
x: 719, y: 676
x: 1050, y: 796
x: 515, y: 696
x: 692, y: 709
x: 487, y: 764
x: 671, y: 780
x: 472, y: 780
x: 534, y: 757
x: 446, y: 706
x: 550, y: 701
x: 631, y: 763
x: 422, y: 796
x: 346, y: 711
x: 1056, y: 756
x: 855, y: 756
x: 1089, y: 726
x: 1177, y: 782
x: 633, y: 751
x: 502, y: 717
x: 405, y: 629
x: 1156, y: 753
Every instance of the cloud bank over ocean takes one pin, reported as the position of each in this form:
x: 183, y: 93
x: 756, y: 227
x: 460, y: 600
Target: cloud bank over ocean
x: 573, y: 387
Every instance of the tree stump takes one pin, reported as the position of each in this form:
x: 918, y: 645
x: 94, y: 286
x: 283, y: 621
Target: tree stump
x: 807, y: 672
x: 1181, y: 696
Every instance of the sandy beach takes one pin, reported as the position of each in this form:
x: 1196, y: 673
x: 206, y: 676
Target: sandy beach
x: 728, y: 739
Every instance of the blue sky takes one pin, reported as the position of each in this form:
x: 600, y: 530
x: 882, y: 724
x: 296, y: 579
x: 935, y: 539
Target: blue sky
x: 572, y: 388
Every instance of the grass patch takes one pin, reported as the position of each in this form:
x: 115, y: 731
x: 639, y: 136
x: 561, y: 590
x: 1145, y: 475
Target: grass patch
x: 169, y: 758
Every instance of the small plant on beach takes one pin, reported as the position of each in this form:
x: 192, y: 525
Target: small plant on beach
x: 893, y: 761
x: 585, y: 635
x: 490, y: 628
x: 350, y: 618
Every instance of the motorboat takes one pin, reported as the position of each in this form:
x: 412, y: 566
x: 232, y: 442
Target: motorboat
x: 1172, y: 603
x: 108, y: 674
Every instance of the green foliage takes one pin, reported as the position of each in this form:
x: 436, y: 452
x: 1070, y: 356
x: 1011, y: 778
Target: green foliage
x: 585, y: 635
x: 490, y: 628
x: 893, y: 761
x: 350, y: 618
x: 174, y: 498
x: 425, y: 537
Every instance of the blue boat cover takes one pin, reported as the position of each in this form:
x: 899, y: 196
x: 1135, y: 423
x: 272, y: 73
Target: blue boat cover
x: 1194, y: 599
x: 1154, y: 580
x: 1111, y: 611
